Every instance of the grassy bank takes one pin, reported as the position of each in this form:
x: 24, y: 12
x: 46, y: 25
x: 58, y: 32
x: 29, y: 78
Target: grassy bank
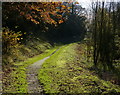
x: 16, y: 82
x: 25, y: 51
x: 66, y: 71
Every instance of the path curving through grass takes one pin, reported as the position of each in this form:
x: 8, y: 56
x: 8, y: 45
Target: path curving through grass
x: 32, y: 75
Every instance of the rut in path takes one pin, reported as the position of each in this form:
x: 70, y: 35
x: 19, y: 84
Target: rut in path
x: 32, y: 76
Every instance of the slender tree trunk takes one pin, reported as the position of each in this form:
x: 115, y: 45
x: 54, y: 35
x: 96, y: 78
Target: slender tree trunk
x: 94, y: 36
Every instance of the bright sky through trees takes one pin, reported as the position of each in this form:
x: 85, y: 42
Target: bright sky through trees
x: 87, y: 3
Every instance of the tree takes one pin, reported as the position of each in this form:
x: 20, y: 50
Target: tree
x: 104, y: 29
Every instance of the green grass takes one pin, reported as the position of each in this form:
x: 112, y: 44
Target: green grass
x: 66, y: 71
x: 17, y: 82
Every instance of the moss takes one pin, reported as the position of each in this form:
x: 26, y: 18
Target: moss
x: 17, y: 78
x: 65, y: 72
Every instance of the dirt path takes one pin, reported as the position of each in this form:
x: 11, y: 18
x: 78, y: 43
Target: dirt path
x: 32, y: 76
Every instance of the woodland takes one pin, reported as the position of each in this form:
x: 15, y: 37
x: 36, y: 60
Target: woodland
x: 61, y: 48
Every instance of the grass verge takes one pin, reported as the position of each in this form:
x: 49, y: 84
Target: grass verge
x: 66, y: 72
x: 16, y: 80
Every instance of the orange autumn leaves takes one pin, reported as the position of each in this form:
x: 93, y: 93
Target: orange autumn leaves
x: 44, y: 10
x: 37, y: 12
x: 10, y: 39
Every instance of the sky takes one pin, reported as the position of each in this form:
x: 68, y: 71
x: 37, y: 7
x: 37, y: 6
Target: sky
x: 86, y: 3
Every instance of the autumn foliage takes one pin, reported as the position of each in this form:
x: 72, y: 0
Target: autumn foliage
x: 49, y: 12
x: 38, y: 20
x: 10, y: 42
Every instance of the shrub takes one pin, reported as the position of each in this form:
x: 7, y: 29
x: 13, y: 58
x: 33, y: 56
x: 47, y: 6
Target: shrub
x: 10, y: 45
